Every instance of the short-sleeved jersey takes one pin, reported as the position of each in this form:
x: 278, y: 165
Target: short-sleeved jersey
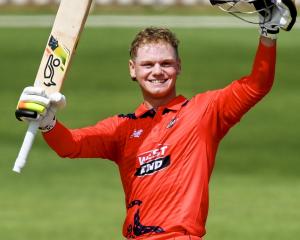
x: 166, y: 156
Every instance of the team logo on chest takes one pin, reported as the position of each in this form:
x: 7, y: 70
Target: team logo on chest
x: 153, y: 161
x: 172, y: 122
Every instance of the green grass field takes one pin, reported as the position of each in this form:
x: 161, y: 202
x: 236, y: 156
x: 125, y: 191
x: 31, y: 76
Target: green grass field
x: 255, y: 189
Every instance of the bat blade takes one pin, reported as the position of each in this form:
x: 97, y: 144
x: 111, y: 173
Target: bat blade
x: 60, y: 48
x: 62, y: 43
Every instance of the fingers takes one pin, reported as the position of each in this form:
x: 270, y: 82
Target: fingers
x: 58, y: 100
x: 34, y: 99
x: 36, y: 104
x: 35, y: 94
x: 33, y: 102
x: 34, y: 91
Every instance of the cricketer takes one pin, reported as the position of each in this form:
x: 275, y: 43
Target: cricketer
x: 166, y: 149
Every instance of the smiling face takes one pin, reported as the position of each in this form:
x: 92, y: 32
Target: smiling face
x: 155, y: 68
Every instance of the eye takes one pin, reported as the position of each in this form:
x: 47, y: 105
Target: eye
x: 147, y: 64
x: 167, y: 64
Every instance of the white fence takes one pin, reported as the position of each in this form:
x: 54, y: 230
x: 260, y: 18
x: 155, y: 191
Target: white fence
x: 119, y: 2
x: 107, y: 2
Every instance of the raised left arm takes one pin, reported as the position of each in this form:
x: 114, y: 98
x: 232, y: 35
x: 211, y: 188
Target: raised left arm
x: 232, y: 102
x: 240, y: 96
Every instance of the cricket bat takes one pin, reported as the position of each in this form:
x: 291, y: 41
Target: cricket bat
x: 61, y: 45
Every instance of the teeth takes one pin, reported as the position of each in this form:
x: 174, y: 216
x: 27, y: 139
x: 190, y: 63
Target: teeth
x: 157, y: 81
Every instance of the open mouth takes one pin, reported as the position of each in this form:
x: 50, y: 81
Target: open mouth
x: 157, y: 81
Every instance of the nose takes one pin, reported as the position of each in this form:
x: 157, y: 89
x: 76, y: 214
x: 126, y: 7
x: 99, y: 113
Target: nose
x: 157, y: 70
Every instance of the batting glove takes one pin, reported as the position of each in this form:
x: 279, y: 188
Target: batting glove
x: 35, y: 105
x: 282, y: 15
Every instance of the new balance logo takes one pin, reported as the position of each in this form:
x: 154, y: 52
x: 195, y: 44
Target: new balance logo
x: 136, y: 133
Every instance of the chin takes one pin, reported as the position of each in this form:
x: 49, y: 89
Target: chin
x: 160, y: 94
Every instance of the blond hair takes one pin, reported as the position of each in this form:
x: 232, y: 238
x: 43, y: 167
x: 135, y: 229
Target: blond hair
x: 153, y: 35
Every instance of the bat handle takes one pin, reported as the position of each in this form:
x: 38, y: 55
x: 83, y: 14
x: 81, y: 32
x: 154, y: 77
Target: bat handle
x: 26, y: 146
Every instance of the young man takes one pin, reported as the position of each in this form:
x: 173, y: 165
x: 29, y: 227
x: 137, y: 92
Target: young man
x: 166, y: 149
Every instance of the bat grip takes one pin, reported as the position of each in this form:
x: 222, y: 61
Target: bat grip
x: 26, y: 146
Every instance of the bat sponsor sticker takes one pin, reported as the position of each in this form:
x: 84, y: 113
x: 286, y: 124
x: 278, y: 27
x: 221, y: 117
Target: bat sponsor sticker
x: 58, y: 56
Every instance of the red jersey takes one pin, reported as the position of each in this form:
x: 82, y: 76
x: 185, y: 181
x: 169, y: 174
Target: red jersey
x: 166, y: 157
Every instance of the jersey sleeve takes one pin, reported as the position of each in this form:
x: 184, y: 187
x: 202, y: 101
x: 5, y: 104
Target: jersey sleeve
x: 98, y: 141
x: 240, y: 96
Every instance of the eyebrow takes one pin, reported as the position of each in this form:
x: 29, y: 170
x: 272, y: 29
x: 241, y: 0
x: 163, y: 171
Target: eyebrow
x: 164, y: 60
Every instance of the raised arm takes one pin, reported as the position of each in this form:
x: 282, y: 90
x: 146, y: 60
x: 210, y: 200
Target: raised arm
x: 232, y: 102
x: 261, y: 78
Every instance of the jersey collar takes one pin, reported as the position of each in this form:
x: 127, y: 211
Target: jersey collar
x: 173, y: 105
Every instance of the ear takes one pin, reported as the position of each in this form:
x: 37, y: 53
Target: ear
x: 132, y: 69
